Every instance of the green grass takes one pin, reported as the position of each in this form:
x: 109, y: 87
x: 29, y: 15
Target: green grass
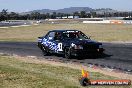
x: 99, y: 32
x: 15, y: 73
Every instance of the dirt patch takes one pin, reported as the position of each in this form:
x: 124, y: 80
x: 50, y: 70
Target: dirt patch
x: 74, y: 66
x: 118, y: 42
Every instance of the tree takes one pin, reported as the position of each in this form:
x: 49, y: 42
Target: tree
x: 35, y: 15
x: 47, y: 15
x: 76, y: 13
x: 82, y: 14
x: 53, y: 15
x: 88, y: 15
x: 42, y: 16
x: 4, y: 15
x: 13, y: 16
x: 60, y: 15
x: 93, y: 14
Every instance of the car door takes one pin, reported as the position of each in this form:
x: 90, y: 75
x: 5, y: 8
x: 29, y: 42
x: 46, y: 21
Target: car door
x: 58, y: 41
x: 52, y: 42
x: 49, y: 42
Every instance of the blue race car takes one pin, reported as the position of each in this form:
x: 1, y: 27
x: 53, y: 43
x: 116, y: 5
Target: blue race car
x: 69, y: 43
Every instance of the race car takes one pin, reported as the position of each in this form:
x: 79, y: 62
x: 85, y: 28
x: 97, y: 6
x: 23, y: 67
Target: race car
x: 69, y: 43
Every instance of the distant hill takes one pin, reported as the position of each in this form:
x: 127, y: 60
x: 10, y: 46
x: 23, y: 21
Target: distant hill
x: 74, y: 9
x: 71, y: 10
x: 106, y: 10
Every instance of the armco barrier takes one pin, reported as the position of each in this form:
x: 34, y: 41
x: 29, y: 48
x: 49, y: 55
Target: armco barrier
x: 98, y: 22
x: 127, y: 22
x: 109, y: 22
x: 116, y: 22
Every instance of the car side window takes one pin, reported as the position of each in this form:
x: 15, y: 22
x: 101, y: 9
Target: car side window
x: 50, y: 36
x: 57, y: 36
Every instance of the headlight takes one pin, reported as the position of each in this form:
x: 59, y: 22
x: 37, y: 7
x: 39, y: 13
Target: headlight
x: 78, y: 47
x: 100, y: 46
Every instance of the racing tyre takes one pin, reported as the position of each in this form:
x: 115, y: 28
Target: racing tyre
x: 67, y: 53
x: 44, y: 50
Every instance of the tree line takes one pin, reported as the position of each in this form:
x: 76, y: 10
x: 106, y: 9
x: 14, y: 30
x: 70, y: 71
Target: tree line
x: 5, y: 15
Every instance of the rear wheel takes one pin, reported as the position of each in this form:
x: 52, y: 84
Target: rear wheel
x: 67, y: 53
x: 44, y: 50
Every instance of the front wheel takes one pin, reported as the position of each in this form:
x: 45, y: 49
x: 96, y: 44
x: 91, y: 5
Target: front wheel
x: 67, y: 53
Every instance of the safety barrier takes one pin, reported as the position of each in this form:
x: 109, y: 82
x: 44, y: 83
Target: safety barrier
x: 109, y: 22
x: 116, y: 22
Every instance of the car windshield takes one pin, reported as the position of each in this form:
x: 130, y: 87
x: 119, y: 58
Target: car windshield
x: 74, y: 35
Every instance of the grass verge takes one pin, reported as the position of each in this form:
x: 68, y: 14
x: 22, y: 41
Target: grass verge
x: 16, y: 73
x: 99, y: 32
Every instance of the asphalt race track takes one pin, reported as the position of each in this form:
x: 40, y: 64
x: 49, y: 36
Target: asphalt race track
x: 7, y: 24
x: 117, y: 56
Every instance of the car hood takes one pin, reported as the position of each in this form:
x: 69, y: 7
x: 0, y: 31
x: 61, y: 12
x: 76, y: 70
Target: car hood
x: 84, y: 41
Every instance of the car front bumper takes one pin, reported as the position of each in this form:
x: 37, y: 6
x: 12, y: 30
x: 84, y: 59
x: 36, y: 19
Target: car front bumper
x: 86, y: 52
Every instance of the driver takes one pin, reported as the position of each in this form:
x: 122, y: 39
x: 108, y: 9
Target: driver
x: 57, y: 36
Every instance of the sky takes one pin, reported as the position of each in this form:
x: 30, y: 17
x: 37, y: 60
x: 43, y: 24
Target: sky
x: 29, y: 5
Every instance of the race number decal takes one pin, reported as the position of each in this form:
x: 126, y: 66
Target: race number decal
x: 60, y: 47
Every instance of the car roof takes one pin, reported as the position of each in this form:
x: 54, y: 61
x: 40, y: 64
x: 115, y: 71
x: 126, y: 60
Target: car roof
x: 61, y: 30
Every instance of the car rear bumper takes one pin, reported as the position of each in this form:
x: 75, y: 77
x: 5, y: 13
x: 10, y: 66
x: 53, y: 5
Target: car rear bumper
x: 39, y: 45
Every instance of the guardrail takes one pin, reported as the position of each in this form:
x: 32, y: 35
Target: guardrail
x: 110, y: 22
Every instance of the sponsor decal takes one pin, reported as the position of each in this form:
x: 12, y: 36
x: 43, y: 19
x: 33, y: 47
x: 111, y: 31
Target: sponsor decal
x: 85, y: 80
x: 53, y: 46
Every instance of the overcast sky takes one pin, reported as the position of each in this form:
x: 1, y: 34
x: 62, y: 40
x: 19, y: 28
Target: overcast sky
x: 28, y: 5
